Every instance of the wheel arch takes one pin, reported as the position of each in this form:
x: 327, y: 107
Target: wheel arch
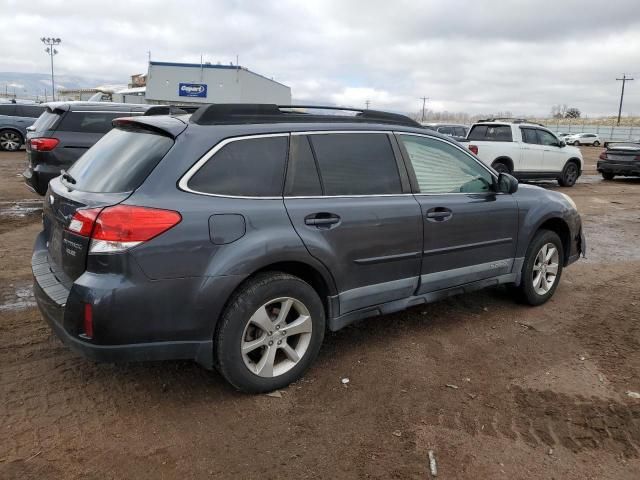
x: 560, y: 227
x: 577, y: 161
x: 506, y: 160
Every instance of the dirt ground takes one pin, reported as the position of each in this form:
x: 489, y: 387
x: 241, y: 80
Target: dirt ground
x: 495, y: 389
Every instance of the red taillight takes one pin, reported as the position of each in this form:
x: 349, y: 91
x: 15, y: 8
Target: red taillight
x: 82, y: 221
x: 43, y: 144
x: 115, y: 229
x: 603, y: 155
x: 474, y: 149
x: 87, y: 322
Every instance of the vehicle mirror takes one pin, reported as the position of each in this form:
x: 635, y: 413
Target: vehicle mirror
x: 562, y: 144
x: 507, y: 183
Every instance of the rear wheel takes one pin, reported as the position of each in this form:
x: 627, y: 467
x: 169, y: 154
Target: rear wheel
x: 608, y: 175
x: 576, y: 143
x: 501, y: 167
x: 542, y: 268
x: 596, y: 143
x: 570, y: 175
x: 10, y: 140
x: 270, y: 333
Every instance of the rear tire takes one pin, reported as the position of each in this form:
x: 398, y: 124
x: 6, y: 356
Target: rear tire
x: 256, y: 345
x: 500, y: 167
x: 10, y: 140
x: 542, y: 268
x: 596, y: 143
x: 608, y: 175
x: 570, y: 175
x: 576, y: 143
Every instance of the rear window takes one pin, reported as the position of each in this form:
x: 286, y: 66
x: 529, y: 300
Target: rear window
x: 90, y: 122
x: 253, y: 167
x: 491, y: 133
x: 119, y: 162
x: 46, y: 121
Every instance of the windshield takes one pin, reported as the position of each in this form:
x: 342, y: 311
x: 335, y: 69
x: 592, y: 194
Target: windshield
x: 46, y: 121
x: 119, y: 162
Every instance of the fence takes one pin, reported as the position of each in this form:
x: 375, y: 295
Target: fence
x: 607, y: 133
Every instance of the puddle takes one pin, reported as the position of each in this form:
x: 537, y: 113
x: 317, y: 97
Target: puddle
x: 17, y: 297
x: 20, y: 208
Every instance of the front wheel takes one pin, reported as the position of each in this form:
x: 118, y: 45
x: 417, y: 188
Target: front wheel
x: 10, y: 140
x: 570, y: 175
x: 576, y: 143
x: 542, y: 268
x: 270, y: 333
x: 596, y: 143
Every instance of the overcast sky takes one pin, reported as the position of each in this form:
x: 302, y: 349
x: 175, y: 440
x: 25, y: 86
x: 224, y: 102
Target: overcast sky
x: 472, y: 56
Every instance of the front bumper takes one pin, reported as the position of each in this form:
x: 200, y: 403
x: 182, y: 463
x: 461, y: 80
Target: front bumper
x: 631, y: 168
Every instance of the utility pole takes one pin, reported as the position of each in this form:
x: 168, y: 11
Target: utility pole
x: 367, y: 103
x: 424, y: 103
x: 624, y: 80
x: 51, y: 42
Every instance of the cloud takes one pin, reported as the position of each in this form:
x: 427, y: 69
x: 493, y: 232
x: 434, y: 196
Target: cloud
x: 473, y: 56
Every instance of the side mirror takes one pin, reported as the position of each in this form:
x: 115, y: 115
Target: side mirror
x: 506, y: 184
x: 562, y: 144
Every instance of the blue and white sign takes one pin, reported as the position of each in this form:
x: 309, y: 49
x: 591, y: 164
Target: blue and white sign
x: 193, y: 90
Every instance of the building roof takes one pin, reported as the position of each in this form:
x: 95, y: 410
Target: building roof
x: 210, y: 65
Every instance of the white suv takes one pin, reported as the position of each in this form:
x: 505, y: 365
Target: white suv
x: 583, y: 139
x: 526, y: 150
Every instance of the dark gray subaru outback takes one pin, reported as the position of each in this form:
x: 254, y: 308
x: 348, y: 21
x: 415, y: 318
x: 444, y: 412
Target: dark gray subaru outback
x: 236, y: 236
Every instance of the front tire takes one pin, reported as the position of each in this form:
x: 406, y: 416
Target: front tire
x: 570, y: 175
x: 576, y: 143
x: 10, y: 140
x: 270, y: 333
x: 596, y: 143
x: 608, y: 175
x: 542, y: 268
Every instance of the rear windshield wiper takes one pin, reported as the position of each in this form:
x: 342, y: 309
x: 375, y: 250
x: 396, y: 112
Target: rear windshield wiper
x: 67, y: 176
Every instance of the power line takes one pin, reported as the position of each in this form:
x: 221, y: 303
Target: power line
x: 424, y: 103
x: 624, y: 80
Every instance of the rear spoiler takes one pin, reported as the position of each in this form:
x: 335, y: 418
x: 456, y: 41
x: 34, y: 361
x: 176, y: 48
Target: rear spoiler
x: 161, y: 125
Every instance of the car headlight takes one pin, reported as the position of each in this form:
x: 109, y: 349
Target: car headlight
x: 569, y: 200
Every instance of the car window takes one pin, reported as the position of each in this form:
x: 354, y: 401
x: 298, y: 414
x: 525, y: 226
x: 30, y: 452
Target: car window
x: 119, y: 162
x: 529, y: 135
x: 90, y: 122
x: 443, y: 168
x: 356, y: 164
x: 252, y: 167
x: 46, y: 121
x: 7, y: 110
x: 302, y: 174
x: 30, y: 111
x: 460, y: 132
x: 546, y: 138
x: 495, y: 133
x: 446, y: 130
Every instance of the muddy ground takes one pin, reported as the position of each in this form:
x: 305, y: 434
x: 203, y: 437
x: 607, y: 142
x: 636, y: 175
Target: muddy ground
x: 495, y: 389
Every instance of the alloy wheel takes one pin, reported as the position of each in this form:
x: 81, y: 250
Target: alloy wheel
x: 276, y: 337
x: 10, y: 141
x: 545, y: 269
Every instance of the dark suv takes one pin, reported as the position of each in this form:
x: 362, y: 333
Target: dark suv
x: 238, y: 235
x: 66, y: 130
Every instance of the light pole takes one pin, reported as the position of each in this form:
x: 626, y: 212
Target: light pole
x: 51, y: 43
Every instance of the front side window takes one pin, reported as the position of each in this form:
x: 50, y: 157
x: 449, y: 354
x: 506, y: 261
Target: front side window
x: 446, y: 130
x: 546, y: 138
x: 529, y: 135
x: 460, y: 131
x: 252, y: 167
x: 442, y: 168
x: 356, y: 164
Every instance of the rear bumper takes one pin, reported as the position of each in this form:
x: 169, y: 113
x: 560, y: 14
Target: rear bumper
x: 134, y: 319
x: 619, y: 168
x: 38, y: 178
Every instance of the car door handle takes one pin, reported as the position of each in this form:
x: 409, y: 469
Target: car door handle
x: 439, y: 214
x: 322, y: 219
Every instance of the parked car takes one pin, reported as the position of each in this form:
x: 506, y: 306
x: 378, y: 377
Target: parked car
x: 562, y: 136
x: 183, y: 237
x: 454, y: 130
x: 64, y: 132
x: 528, y: 151
x: 14, y: 120
x: 583, y: 139
x: 620, y: 159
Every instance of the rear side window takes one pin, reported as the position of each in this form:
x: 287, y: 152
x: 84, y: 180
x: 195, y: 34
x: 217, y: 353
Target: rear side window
x: 46, y: 121
x: 9, y: 110
x: 446, y: 130
x: 119, y: 162
x: 90, y: 122
x: 461, y: 131
x: 302, y: 174
x: 252, y: 167
x: 30, y: 111
x: 356, y: 164
x: 491, y: 133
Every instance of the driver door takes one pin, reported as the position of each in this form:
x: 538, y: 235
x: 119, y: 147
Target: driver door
x: 469, y: 231
x: 554, y: 157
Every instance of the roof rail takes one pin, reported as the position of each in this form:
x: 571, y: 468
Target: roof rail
x: 170, y: 110
x: 510, y: 120
x: 222, y: 113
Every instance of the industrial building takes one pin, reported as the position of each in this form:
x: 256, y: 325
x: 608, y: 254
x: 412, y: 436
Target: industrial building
x: 184, y: 83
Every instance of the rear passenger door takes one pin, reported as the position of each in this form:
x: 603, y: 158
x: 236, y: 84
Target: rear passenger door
x: 348, y: 197
x: 470, y: 231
